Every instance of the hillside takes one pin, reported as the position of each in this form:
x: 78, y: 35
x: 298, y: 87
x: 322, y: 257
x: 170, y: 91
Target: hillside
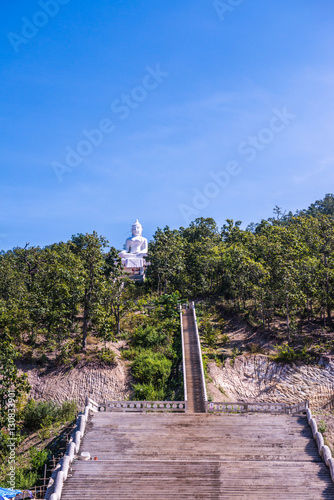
x: 72, y: 322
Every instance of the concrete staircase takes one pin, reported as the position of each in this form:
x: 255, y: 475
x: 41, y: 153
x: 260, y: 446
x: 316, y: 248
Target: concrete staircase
x: 194, y: 382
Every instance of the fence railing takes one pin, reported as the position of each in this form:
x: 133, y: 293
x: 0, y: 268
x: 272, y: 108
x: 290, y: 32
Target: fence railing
x: 143, y: 406
x: 62, y: 469
x: 240, y: 407
x: 183, y: 358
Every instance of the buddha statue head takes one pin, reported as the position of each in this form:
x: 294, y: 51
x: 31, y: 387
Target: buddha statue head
x: 137, y: 228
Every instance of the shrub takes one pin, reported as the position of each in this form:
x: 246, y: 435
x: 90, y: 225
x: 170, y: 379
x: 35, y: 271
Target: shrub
x: 147, y: 392
x: 46, y: 428
x: 152, y: 368
x: 38, y: 458
x: 4, y: 440
x: 68, y: 410
x: 255, y: 348
x: 147, y: 336
x: 129, y: 354
x: 225, y: 339
x: 35, y: 413
x: 107, y: 356
x: 236, y: 352
x: 287, y: 354
x: 25, y: 479
x: 208, y: 332
x: 41, y: 415
x: 322, y: 427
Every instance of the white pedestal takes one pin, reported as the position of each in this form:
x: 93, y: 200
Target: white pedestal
x: 131, y: 262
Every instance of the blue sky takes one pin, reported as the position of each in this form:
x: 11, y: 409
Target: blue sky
x: 179, y: 91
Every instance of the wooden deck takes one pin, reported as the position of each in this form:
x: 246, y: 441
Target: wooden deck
x: 195, y: 390
x: 199, y: 456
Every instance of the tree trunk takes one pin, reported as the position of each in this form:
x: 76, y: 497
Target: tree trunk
x: 328, y: 307
x: 118, y: 323
x: 84, y: 333
x: 308, y: 310
x: 263, y: 316
x: 288, y: 319
x: 85, y: 321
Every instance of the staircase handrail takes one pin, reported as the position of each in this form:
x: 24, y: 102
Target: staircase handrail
x: 200, y: 355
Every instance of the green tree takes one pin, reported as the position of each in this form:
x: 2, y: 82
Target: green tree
x: 89, y: 248
x: 166, y: 257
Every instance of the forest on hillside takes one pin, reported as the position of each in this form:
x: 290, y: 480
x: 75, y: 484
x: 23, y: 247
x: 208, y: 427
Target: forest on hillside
x: 281, y: 266
x: 53, y: 299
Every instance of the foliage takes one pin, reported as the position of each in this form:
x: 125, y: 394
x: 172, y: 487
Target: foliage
x: 147, y: 392
x: 322, y: 427
x: 148, y: 336
x: 25, y: 478
x: 12, y: 385
x: 37, y: 415
x: 89, y: 249
x: 107, y: 356
x: 255, y: 348
x: 287, y: 354
x: 38, y: 458
x: 225, y: 339
x: 208, y: 331
x: 152, y: 368
x: 68, y: 411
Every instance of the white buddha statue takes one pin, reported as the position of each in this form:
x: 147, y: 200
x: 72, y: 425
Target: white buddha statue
x: 136, y: 247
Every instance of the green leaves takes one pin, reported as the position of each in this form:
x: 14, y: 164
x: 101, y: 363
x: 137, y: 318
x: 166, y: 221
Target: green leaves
x: 152, y: 368
x: 12, y: 385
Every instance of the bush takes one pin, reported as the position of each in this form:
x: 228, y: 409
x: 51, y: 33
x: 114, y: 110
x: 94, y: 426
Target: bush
x: 322, y: 427
x: 225, y: 339
x: 255, y: 348
x: 107, y: 356
x: 147, y: 337
x: 152, y: 368
x: 4, y: 440
x: 147, y: 392
x: 38, y: 458
x: 25, y: 479
x: 35, y: 413
x: 41, y: 415
x: 68, y: 410
x: 208, y: 332
x: 129, y: 354
x: 287, y: 354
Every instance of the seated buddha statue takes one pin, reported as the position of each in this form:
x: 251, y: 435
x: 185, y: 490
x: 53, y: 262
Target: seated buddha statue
x: 136, y: 247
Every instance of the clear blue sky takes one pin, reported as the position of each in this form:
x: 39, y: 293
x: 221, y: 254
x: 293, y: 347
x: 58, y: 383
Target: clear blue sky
x: 202, y: 85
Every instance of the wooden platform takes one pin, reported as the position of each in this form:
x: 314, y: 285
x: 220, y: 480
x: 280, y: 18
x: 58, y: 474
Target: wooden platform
x: 199, y: 456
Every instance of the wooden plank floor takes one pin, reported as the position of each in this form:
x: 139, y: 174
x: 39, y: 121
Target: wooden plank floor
x: 199, y: 456
x: 195, y: 391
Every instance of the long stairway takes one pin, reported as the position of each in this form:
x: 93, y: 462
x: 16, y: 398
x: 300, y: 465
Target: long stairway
x: 199, y: 456
x: 194, y: 381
